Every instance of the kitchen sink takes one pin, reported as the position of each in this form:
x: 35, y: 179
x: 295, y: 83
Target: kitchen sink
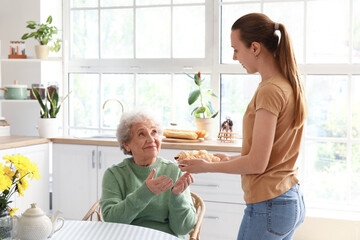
x: 104, y: 136
x: 99, y: 137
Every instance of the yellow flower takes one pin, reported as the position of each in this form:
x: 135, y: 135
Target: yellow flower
x: 20, y: 190
x: 12, y: 177
x: 5, y: 180
x: 24, y: 184
x: 12, y: 211
x: 9, y: 172
x: 34, y: 171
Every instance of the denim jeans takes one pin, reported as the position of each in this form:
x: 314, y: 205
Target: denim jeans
x: 273, y: 219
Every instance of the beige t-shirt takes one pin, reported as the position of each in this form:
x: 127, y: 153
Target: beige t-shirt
x: 274, y: 95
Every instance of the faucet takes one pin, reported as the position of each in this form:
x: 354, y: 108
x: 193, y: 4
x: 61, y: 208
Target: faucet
x: 113, y: 99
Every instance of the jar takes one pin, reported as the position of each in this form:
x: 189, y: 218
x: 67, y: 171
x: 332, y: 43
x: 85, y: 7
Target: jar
x: 52, y: 86
x: 6, y: 225
x: 40, y: 88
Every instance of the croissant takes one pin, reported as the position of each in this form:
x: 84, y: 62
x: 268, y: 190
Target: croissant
x: 202, y: 154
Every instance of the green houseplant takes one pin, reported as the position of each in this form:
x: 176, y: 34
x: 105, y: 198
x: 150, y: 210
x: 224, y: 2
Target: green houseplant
x: 44, y: 34
x: 203, y: 111
x: 202, y: 97
x: 50, y: 107
x: 48, y: 124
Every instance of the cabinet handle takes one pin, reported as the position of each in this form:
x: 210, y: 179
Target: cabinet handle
x: 206, y: 185
x: 99, y: 159
x: 93, y: 159
x: 212, y: 217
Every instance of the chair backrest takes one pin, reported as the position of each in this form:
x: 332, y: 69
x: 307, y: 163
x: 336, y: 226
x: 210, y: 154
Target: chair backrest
x: 94, y: 209
x: 200, y: 212
x: 194, y: 234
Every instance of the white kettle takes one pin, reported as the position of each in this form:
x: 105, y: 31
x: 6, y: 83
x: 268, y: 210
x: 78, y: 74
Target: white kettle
x: 35, y: 225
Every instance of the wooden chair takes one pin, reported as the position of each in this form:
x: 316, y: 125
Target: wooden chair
x: 194, y: 234
x: 200, y: 212
x: 94, y: 209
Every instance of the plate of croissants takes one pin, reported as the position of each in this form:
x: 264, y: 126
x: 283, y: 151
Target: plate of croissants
x: 201, y: 154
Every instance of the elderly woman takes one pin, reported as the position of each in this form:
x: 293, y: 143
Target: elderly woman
x: 144, y: 189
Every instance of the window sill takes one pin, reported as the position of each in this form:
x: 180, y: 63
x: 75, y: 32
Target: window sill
x: 350, y: 215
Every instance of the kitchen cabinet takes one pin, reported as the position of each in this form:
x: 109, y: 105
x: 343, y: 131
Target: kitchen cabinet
x: 38, y: 190
x: 77, y: 176
x: 224, y: 201
x: 221, y: 220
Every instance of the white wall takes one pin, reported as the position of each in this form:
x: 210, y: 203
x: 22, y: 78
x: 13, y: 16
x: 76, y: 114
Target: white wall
x: 13, y: 17
x: 328, y: 229
x: 15, y: 13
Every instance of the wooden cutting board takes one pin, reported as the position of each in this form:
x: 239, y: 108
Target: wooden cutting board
x: 180, y: 140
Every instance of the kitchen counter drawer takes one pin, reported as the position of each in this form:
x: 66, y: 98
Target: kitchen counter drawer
x: 221, y: 221
x: 218, y: 187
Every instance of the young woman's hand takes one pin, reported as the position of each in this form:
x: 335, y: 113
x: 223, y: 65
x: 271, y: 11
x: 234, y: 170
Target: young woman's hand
x: 182, y: 183
x: 193, y: 165
x: 159, y: 184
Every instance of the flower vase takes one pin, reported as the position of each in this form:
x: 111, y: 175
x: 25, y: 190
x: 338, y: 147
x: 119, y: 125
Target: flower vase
x: 6, y: 225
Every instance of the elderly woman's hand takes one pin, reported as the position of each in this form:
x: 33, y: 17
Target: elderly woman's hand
x: 182, y: 183
x: 159, y: 184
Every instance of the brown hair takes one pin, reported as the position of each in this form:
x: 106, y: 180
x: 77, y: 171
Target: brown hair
x: 257, y: 27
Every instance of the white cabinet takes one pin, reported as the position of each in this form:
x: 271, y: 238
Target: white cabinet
x: 221, y: 220
x: 38, y: 190
x: 77, y: 176
x: 224, y: 201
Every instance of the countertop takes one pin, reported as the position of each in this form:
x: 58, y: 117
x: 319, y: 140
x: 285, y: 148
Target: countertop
x: 20, y: 141
x: 209, y: 145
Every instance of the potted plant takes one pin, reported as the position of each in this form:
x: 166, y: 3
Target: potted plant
x: 203, y: 112
x: 44, y: 34
x: 48, y: 124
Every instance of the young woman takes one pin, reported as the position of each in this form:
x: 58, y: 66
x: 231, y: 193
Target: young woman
x: 272, y: 131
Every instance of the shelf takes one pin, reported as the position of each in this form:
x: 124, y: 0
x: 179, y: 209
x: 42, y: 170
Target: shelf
x: 18, y: 101
x: 29, y: 59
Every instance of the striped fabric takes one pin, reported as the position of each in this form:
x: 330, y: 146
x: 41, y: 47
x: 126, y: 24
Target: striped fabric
x: 81, y: 230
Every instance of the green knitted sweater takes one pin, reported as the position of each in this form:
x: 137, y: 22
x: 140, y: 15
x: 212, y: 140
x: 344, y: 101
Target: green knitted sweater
x: 126, y: 198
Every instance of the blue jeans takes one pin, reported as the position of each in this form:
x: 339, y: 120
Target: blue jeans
x: 273, y: 219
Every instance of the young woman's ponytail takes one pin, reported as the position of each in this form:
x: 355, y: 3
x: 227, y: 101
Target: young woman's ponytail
x: 257, y: 27
x: 287, y: 62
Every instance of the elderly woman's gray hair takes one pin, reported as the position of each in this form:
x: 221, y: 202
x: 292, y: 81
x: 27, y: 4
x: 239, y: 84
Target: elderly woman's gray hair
x: 123, y: 132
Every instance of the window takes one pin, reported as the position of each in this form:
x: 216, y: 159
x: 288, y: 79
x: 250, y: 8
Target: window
x: 116, y: 50
x: 137, y: 52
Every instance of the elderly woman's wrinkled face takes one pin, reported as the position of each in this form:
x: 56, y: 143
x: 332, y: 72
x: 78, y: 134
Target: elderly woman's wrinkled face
x: 145, y: 141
